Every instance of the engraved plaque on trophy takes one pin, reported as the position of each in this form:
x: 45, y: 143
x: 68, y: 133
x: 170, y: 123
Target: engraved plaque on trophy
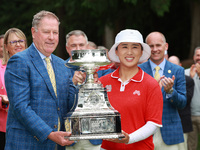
x: 93, y: 117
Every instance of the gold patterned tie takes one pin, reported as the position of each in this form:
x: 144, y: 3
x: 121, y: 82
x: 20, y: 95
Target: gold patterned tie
x: 157, y: 75
x: 51, y: 74
x: 53, y: 80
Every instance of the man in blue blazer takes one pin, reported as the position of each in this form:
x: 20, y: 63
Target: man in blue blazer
x: 173, y: 88
x: 37, y: 111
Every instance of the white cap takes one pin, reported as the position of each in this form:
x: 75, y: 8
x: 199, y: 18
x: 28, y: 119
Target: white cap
x: 133, y: 36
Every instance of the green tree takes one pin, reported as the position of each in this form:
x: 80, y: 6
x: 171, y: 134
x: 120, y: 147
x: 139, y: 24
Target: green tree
x: 102, y: 19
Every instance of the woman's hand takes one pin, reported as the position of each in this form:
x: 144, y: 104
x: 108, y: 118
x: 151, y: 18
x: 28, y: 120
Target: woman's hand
x: 4, y: 99
x: 121, y: 140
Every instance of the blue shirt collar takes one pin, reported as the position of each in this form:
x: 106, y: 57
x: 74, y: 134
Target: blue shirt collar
x: 161, y: 65
x: 41, y: 55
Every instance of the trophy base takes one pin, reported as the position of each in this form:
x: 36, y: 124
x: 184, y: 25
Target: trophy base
x: 95, y: 136
x: 94, y: 124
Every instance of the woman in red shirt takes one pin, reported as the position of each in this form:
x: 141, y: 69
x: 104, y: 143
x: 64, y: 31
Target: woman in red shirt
x: 136, y: 95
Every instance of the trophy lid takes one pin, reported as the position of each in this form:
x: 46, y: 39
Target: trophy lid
x: 97, y: 57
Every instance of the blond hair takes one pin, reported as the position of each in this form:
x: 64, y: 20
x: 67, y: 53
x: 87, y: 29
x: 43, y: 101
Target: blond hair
x: 19, y: 34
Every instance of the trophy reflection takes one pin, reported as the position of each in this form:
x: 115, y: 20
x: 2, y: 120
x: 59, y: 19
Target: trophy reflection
x: 93, y: 117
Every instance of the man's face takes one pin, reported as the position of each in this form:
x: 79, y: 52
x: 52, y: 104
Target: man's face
x: 1, y: 47
x: 47, y: 37
x: 76, y: 43
x: 197, y: 56
x: 158, y: 47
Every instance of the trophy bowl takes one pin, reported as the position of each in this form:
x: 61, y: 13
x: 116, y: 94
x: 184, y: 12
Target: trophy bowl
x: 93, y: 116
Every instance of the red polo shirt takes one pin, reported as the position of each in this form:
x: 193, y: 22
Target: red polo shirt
x: 138, y: 100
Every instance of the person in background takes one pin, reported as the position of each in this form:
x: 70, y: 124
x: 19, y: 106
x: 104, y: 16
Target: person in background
x: 40, y: 90
x: 194, y: 72
x: 172, y: 81
x: 91, y: 45
x: 77, y: 40
x: 166, y: 55
x: 133, y: 93
x: 185, y: 113
x: 1, y: 48
x: 14, y: 41
x: 104, y: 70
x: 102, y: 47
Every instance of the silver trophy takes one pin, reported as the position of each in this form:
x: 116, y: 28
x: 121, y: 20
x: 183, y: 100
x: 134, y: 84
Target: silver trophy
x: 93, y: 117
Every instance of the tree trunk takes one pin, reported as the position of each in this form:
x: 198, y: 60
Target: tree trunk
x: 195, y: 24
x: 109, y: 37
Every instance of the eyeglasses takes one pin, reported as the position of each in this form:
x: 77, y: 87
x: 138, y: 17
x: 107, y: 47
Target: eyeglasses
x: 12, y: 43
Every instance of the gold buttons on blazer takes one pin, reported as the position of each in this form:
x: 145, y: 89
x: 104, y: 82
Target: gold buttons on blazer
x: 58, y: 109
x: 36, y: 138
x: 172, y: 100
x: 55, y: 126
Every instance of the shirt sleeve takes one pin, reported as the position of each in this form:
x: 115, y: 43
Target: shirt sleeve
x: 142, y: 133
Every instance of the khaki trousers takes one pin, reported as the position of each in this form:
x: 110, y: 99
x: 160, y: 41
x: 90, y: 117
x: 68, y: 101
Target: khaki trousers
x: 193, y: 136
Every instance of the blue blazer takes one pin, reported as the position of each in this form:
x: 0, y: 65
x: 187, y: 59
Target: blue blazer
x: 104, y: 72
x: 34, y: 108
x: 172, y: 132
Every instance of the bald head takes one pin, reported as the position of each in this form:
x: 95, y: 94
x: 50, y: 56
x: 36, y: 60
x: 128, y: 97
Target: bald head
x: 158, y: 45
x: 157, y: 34
x: 174, y: 60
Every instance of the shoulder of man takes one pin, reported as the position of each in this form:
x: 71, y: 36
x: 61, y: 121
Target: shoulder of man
x: 187, y: 71
x: 173, y: 66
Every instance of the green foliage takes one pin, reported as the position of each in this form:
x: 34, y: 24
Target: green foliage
x: 160, y: 6
x: 92, y: 16
x: 78, y: 13
x: 131, y: 1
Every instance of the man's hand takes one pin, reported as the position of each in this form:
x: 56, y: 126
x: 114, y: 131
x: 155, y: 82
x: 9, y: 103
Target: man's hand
x: 192, y: 70
x: 198, y: 69
x: 159, y: 81
x: 59, y: 138
x: 167, y: 83
x: 79, y: 77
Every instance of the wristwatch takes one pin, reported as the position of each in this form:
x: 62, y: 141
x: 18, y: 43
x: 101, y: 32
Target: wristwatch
x: 170, y: 91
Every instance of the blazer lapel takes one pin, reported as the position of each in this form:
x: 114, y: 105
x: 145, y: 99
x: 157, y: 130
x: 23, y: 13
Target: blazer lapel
x: 39, y: 65
x: 148, y: 69
x: 168, y: 70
